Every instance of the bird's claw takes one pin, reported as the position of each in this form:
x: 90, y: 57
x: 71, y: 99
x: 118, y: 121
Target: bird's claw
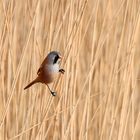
x: 53, y: 93
x: 62, y: 71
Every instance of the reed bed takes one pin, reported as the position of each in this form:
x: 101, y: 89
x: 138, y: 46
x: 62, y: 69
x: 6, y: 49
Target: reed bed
x: 98, y: 97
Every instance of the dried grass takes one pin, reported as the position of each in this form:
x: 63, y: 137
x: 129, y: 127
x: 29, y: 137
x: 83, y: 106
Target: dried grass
x: 98, y: 96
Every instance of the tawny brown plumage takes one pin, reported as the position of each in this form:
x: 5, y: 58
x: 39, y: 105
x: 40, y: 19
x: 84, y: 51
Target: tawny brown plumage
x: 48, y: 70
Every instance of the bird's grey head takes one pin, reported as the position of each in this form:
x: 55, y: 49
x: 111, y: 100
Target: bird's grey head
x: 54, y: 57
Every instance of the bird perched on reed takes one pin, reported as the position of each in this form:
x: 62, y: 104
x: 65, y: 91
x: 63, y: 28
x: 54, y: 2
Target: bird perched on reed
x: 48, y: 70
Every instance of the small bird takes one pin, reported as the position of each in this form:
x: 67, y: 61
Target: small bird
x: 48, y: 70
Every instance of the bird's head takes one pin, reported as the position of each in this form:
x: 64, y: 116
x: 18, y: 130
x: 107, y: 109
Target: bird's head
x: 54, y: 57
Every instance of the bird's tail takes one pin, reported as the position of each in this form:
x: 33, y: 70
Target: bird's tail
x: 32, y: 83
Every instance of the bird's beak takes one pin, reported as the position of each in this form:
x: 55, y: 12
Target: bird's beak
x: 60, y: 57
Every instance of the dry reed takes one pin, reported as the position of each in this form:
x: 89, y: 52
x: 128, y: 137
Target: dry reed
x: 98, y: 96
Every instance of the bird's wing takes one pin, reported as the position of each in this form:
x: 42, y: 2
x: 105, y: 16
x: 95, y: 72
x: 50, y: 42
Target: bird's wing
x: 39, y: 70
x: 41, y: 67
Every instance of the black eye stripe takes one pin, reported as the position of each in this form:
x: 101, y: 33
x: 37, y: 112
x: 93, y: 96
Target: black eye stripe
x: 55, y: 59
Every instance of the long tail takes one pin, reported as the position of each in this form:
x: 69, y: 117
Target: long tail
x: 32, y: 83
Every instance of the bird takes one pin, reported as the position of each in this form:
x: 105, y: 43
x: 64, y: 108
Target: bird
x: 48, y: 70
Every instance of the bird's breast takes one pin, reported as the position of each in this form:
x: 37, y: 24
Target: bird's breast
x: 53, y: 68
x: 49, y: 73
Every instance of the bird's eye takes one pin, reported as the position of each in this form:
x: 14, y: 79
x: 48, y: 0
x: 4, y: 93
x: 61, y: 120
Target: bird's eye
x: 55, y: 59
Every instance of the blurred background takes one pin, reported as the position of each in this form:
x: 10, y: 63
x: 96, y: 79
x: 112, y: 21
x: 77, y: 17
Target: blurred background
x: 98, y: 97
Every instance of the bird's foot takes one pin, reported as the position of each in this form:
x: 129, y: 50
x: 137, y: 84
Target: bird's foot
x: 62, y: 71
x: 53, y: 93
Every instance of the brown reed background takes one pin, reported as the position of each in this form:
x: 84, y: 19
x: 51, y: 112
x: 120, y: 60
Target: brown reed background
x: 98, y: 97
